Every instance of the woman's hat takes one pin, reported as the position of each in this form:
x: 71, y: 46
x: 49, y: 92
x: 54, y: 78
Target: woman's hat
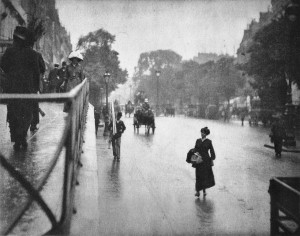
x: 76, y: 54
x: 205, y: 130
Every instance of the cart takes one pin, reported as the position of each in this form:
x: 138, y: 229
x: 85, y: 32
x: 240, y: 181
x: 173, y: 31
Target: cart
x: 285, y: 205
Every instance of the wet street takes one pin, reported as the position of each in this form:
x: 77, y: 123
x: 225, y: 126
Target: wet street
x: 32, y: 164
x: 151, y: 190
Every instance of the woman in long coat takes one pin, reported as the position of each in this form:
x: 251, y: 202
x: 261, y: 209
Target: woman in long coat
x: 74, y: 71
x: 204, y: 174
x: 74, y: 74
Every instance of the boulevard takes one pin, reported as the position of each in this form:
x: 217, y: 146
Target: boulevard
x: 151, y: 190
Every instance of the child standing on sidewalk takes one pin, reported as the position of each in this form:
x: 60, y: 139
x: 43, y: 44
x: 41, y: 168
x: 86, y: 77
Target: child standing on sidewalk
x: 116, y: 138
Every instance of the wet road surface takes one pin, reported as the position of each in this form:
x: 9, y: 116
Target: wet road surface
x: 32, y: 163
x: 151, y: 191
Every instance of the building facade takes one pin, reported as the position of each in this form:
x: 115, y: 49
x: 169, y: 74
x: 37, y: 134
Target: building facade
x: 55, y: 44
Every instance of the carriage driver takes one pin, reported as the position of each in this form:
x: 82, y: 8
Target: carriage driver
x: 146, y: 105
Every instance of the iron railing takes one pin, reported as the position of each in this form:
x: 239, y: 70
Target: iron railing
x: 71, y: 140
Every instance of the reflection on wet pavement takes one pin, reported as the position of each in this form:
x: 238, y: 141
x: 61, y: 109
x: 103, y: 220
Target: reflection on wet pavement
x: 32, y: 164
x: 151, y: 191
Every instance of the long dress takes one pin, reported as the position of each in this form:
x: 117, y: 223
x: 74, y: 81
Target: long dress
x: 204, y: 173
x: 22, y: 67
x: 74, y: 76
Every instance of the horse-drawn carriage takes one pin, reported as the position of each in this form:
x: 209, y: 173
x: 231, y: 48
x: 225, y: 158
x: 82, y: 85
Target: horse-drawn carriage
x: 169, y: 110
x: 144, y: 117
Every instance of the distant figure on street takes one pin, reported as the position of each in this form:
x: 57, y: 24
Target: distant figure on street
x: 22, y: 67
x: 53, y: 79
x: 204, y: 174
x: 116, y: 138
x: 97, y: 119
x: 74, y: 74
x: 62, y: 74
x: 243, y: 115
x: 278, y: 133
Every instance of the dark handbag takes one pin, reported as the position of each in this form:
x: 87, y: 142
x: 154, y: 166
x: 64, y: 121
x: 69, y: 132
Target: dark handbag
x: 189, y: 155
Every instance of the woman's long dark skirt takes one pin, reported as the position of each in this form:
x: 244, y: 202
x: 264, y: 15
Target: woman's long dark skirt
x: 204, y: 176
x: 19, y: 116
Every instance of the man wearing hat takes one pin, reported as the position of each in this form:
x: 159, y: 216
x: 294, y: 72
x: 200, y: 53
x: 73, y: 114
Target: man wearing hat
x: 21, y: 65
x: 116, y: 139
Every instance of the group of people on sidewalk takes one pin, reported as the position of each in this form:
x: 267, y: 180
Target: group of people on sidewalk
x: 22, y: 67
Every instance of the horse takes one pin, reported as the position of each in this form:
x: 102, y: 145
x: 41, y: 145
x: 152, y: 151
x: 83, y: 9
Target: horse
x: 129, y: 109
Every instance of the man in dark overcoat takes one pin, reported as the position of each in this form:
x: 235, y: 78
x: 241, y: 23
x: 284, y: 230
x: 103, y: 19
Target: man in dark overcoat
x: 36, y: 110
x: 21, y: 65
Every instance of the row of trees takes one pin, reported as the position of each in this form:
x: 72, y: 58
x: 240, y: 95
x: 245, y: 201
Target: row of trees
x: 210, y: 83
x: 99, y: 57
x: 274, y: 62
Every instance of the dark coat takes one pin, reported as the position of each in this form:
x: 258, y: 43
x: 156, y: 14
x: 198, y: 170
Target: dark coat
x: 22, y: 67
x: 204, y: 174
x: 120, y: 126
x: 74, y: 76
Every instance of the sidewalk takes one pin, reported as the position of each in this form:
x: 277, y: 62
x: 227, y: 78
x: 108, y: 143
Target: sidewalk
x: 295, y: 149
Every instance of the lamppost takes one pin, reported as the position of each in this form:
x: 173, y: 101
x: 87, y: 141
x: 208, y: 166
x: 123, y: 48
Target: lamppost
x: 101, y: 94
x: 130, y: 86
x: 157, y: 73
x: 106, y: 120
x: 292, y: 13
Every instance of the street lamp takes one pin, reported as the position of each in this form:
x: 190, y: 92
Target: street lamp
x: 292, y: 13
x: 101, y: 94
x: 157, y: 73
x: 106, y: 121
x: 106, y: 78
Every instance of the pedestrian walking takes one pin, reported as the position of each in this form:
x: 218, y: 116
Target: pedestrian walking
x: 204, y: 173
x: 74, y: 74
x: 243, y: 115
x: 53, y: 79
x: 62, y: 75
x: 36, y: 110
x: 278, y: 133
x: 116, y: 138
x: 21, y: 65
x: 97, y: 120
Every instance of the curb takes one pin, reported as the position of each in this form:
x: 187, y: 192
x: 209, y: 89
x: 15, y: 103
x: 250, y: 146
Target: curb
x: 283, y: 149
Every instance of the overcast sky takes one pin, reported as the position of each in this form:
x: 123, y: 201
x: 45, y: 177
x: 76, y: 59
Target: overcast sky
x: 186, y: 27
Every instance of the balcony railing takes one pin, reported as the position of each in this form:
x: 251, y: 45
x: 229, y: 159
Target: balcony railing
x: 70, y: 143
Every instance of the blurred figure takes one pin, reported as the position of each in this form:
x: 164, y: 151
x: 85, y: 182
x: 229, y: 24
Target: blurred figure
x: 22, y: 67
x: 74, y: 74
x: 36, y: 110
x: 97, y: 120
x: 243, y: 115
x: 278, y: 133
x: 62, y: 74
x: 53, y: 79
